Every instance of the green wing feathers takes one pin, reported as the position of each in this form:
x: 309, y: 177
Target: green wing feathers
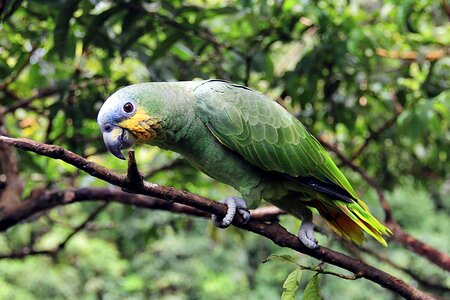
x: 269, y: 137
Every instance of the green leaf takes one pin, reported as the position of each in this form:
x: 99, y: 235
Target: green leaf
x: 268, y: 66
x: 312, y: 290
x: 291, y: 282
x: 9, y: 8
x: 226, y: 10
x: 288, y: 295
x: 164, y: 46
x: 182, y: 51
x: 5, y: 70
x: 290, y: 285
x: 129, y: 19
x: 97, y: 23
x: 136, y: 31
x: 62, y: 27
x: 281, y: 258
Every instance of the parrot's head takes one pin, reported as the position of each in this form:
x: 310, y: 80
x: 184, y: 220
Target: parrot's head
x: 123, y: 120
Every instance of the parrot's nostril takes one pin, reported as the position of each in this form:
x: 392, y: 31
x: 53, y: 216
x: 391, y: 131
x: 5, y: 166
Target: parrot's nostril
x: 108, y: 128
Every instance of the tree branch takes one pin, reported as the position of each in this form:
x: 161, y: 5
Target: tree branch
x: 178, y: 162
x: 272, y: 231
x: 199, y: 31
x: 425, y: 282
x: 406, y: 240
x: 29, y: 251
x: 50, y: 199
x: 44, y: 92
x: 26, y: 251
x: 412, y: 55
x: 80, y: 227
x: 373, y: 135
x: 10, y: 195
x: 19, y: 69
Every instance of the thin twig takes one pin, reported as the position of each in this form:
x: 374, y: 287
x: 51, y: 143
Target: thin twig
x: 317, y: 269
x: 172, y: 165
x: 83, y: 225
x: 44, y: 92
x: 373, y: 135
x: 197, y: 31
x: 322, y: 271
x: 29, y: 251
x: 19, y: 71
x: 26, y: 251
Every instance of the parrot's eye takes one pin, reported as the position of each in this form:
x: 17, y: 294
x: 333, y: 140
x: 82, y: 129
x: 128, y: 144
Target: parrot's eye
x: 128, y: 107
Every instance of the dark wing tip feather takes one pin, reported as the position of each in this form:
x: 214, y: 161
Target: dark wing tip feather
x: 322, y: 187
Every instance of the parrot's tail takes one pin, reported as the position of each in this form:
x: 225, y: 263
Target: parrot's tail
x: 351, y: 220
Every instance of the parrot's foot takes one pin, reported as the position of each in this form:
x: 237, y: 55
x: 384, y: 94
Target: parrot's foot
x: 306, y: 234
x: 233, y: 203
x: 306, y: 231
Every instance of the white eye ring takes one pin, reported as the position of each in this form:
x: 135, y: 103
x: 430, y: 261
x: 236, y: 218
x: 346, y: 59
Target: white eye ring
x: 128, y: 107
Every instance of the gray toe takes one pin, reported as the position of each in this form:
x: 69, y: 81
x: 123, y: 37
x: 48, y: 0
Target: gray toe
x: 306, y: 235
x: 245, y: 214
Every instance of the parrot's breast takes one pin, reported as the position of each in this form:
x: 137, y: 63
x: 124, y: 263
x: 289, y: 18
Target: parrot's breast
x: 202, y: 150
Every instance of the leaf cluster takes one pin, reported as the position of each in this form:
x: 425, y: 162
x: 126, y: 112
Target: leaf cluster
x: 371, y: 78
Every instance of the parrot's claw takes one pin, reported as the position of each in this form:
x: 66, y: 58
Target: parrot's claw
x: 233, y: 203
x: 245, y: 214
x: 306, y: 234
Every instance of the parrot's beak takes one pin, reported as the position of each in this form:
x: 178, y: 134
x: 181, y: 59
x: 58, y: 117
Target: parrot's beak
x: 118, y: 139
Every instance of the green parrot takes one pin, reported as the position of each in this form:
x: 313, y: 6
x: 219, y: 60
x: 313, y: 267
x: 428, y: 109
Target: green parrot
x: 242, y: 138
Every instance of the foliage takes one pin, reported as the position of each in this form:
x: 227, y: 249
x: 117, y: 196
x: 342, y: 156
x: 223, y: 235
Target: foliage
x: 290, y: 285
x: 354, y: 72
x: 312, y: 290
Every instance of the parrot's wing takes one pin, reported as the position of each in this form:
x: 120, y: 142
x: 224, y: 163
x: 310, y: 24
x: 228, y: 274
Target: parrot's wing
x: 264, y: 133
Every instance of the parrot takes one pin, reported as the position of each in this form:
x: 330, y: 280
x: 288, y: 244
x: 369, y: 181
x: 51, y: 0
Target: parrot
x: 244, y: 139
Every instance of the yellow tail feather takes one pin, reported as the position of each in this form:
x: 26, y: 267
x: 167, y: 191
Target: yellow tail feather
x: 351, y: 220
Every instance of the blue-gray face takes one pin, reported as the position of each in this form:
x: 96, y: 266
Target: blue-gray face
x: 117, y: 108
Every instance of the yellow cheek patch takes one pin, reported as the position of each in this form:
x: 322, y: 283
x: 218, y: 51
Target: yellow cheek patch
x: 141, y: 125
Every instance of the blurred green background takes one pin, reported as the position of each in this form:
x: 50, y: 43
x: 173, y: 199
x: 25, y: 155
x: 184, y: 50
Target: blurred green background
x: 351, y: 71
